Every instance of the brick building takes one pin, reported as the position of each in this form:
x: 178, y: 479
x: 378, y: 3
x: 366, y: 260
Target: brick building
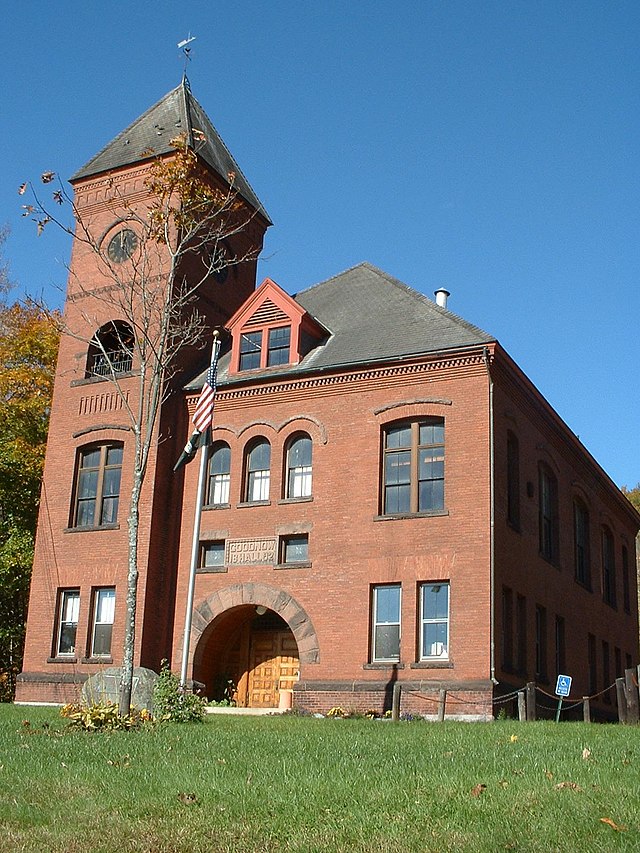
x: 388, y: 497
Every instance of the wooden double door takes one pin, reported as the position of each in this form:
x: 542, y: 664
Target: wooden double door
x: 273, y: 666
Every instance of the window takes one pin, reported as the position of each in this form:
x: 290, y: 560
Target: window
x: 219, y: 474
x: 386, y: 623
x: 626, y: 588
x: 294, y: 549
x: 581, y: 549
x: 250, y: 350
x: 434, y: 621
x: 548, y: 514
x: 541, y: 643
x: 279, y: 341
x: 258, y: 471
x: 265, y: 348
x: 606, y: 671
x: 617, y: 657
x: 212, y: 555
x: 299, y: 467
x: 521, y: 634
x: 414, y: 467
x: 67, y: 622
x: 111, y: 350
x: 507, y: 628
x: 513, y: 481
x: 593, y: 666
x: 98, y: 486
x: 561, y: 655
x: 104, y: 603
x: 608, y: 568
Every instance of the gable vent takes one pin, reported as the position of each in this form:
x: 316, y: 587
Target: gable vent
x: 268, y: 312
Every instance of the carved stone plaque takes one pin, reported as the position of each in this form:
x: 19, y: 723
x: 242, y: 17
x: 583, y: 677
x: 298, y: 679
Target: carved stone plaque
x: 251, y: 552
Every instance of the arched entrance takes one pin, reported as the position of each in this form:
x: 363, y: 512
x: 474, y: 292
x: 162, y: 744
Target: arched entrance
x: 251, y: 645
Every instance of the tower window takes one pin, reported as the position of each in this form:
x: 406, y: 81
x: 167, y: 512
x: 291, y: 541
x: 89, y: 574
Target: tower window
x: 97, y: 493
x: 111, y: 350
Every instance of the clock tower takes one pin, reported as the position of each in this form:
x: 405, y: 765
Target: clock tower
x: 79, y: 584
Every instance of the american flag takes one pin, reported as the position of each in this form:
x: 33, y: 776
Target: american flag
x: 203, y: 415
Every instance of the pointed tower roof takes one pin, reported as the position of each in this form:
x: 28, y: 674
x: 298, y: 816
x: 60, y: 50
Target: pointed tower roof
x: 151, y: 134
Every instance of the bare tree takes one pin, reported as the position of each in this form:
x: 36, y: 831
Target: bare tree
x: 172, y: 239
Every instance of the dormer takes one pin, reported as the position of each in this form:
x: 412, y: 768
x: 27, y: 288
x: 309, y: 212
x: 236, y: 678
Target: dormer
x: 271, y: 330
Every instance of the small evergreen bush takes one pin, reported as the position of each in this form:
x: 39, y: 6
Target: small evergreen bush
x: 174, y: 704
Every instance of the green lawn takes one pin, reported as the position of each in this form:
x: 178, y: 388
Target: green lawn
x: 292, y: 783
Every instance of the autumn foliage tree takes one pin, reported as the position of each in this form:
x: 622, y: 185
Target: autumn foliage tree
x: 28, y: 350
x: 181, y: 229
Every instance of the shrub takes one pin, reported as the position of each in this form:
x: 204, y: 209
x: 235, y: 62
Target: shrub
x: 174, y: 704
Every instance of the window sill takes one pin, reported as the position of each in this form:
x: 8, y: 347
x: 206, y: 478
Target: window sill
x: 300, y: 565
x: 305, y: 499
x: 102, y: 659
x: 584, y: 585
x: 91, y: 380
x: 211, y: 570
x: 216, y: 506
x: 552, y: 561
x: 515, y: 527
x: 611, y: 604
x: 386, y: 666
x: 91, y: 529
x: 431, y: 664
x: 245, y: 504
x: 63, y: 659
x: 437, y: 513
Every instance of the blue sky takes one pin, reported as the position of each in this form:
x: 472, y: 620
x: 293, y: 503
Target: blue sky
x: 488, y: 147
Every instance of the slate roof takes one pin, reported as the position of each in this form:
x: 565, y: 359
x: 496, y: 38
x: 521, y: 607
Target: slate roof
x: 151, y: 135
x: 371, y: 317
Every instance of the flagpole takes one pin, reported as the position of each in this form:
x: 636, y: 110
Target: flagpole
x: 195, y: 542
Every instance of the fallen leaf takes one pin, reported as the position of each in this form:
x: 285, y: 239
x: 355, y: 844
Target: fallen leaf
x: 613, y: 825
x: 572, y: 785
x: 586, y: 753
x: 503, y: 783
x: 548, y: 774
x: 478, y: 789
x: 187, y: 799
x: 514, y: 738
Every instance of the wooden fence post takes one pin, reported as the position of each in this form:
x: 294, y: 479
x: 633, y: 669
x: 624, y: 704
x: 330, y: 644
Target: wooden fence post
x: 631, y: 695
x: 522, y: 707
x: 586, y: 709
x: 531, y: 701
x: 622, y: 700
x: 395, y: 702
x: 442, y: 701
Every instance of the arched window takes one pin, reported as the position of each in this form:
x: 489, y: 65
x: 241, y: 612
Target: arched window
x: 111, y: 350
x: 608, y: 567
x: 258, y: 471
x: 548, y: 514
x: 219, y: 474
x: 414, y: 467
x: 581, y: 544
x: 97, y: 492
x: 299, y: 472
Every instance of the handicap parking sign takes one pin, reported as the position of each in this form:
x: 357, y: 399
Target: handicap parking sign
x: 563, y: 685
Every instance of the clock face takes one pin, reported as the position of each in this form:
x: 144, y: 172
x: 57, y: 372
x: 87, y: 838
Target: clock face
x: 122, y: 245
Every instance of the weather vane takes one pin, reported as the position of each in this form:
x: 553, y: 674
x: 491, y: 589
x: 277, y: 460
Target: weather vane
x: 184, y: 47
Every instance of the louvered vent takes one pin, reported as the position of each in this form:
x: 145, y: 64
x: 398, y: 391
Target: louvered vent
x: 268, y: 312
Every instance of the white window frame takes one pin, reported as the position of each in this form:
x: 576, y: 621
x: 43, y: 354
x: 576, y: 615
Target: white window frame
x: 438, y: 649
x: 68, y: 613
x: 104, y: 605
x: 377, y: 623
